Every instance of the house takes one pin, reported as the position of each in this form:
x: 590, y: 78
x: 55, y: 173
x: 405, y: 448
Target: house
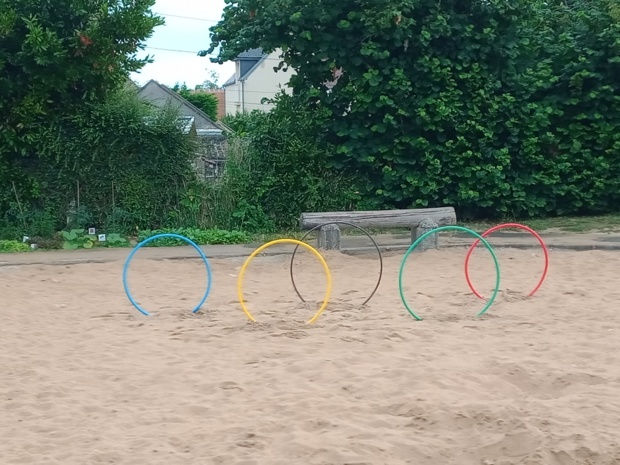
x: 255, y: 80
x: 160, y: 96
x: 131, y: 85
x: 210, y: 159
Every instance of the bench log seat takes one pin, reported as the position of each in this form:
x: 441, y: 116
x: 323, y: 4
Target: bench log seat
x: 419, y: 220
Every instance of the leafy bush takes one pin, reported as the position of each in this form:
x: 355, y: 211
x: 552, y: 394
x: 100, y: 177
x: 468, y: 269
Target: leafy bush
x: 114, y: 240
x: 581, y: 168
x: 13, y: 246
x: 283, y: 170
x: 119, y: 164
x: 198, y: 236
x: 17, y: 223
x: 501, y: 109
x: 55, y: 58
x: 80, y: 239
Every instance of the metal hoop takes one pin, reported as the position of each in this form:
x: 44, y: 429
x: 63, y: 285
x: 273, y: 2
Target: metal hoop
x: 158, y: 236
x: 285, y: 241
x: 497, y: 228
x: 353, y: 226
x: 436, y: 230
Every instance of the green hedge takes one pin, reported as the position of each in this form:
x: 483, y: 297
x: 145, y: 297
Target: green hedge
x: 500, y: 109
x: 198, y: 236
x: 13, y: 246
x: 284, y: 169
x: 119, y: 165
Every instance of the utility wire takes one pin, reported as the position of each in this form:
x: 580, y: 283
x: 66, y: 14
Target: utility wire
x: 195, y: 53
x: 170, y: 50
x: 212, y: 21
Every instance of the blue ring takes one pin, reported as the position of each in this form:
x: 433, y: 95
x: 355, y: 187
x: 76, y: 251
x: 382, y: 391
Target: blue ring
x: 152, y: 238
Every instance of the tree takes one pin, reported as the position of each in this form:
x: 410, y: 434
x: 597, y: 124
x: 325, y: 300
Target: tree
x: 423, y: 85
x: 582, y: 41
x: 211, y: 83
x: 56, y: 55
x: 471, y: 104
x: 203, y: 100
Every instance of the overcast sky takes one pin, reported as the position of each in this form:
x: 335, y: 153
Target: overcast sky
x: 185, y: 33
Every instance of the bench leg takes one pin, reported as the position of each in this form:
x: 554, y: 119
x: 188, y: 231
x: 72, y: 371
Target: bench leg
x: 329, y: 237
x: 431, y: 241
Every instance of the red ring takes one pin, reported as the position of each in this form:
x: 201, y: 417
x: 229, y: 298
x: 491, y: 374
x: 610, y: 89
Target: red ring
x: 502, y: 226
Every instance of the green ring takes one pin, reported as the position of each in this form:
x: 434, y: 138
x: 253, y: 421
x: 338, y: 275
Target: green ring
x: 436, y: 230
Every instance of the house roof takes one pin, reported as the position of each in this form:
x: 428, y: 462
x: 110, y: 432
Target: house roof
x: 131, y: 84
x: 231, y: 80
x: 210, y: 133
x: 224, y: 127
x: 251, y: 70
x: 256, y: 55
x: 252, y: 54
x: 181, y: 101
x: 188, y: 123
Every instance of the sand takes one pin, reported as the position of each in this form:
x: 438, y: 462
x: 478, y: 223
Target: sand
x: 86, y: 379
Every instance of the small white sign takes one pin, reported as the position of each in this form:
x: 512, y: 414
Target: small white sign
x: 25, y: 239
x: 92, y: 231
x: 101, y: 237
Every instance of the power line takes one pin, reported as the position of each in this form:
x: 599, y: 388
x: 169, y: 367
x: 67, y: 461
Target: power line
x: 259, y: 92
x: 246, y: 104
x: 170, y: 50
x: 212, y: 21
x: 196, y: 53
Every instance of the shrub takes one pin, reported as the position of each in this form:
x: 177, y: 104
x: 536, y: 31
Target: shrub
x: 119, y: 164
x: 501, y: 109
x: 13, y: 246
x: 284, y: 169
x: 198, y: 236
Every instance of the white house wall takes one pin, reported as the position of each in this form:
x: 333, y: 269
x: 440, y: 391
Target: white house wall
x: 233, y: 98
x: 262, y: 82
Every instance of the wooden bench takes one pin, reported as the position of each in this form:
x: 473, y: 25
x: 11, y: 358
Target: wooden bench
x: 420, y: 220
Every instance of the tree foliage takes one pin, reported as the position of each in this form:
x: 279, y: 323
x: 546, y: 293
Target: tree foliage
x: 73, y: 144
x: 120, y: 164
x: 284, y: 170
x: 203, y: 100
x: 498, y: 108
x: 583, y: 41
x: 54, y: 58
x: 212, y: 81
x: 56, y: 55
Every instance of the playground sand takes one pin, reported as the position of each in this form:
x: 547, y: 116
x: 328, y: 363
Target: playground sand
x: 86, y: 379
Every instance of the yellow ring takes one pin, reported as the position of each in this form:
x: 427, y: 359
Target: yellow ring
x: 328, y: 274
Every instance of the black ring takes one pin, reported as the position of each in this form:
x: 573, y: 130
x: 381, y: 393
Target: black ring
x: 353, y: 226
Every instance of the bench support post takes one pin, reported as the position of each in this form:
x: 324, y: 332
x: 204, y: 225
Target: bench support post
x: 328, y: 237
x: 431, y: 241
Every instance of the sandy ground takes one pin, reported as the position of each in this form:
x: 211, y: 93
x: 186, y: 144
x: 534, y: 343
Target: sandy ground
x: 86, y: 379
